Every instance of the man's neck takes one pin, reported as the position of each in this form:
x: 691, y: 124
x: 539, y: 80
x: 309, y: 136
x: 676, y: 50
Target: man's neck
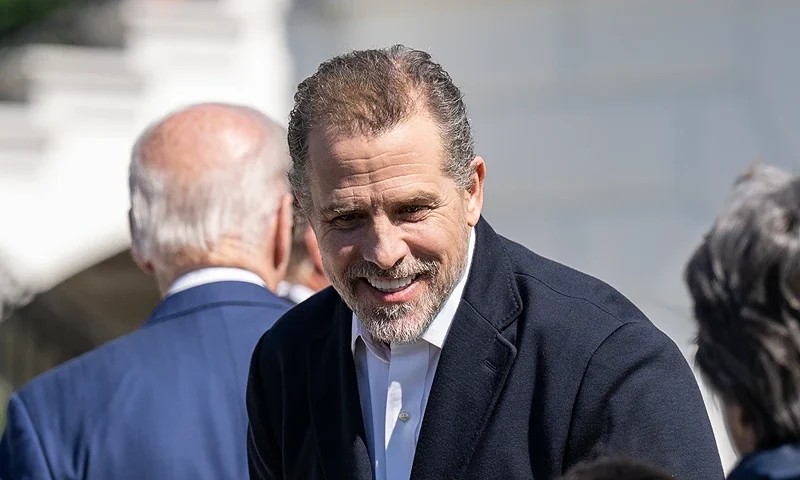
x: 209, y: 275
x: 165, y: 279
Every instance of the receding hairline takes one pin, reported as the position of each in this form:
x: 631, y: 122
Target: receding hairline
x: 416, y: 105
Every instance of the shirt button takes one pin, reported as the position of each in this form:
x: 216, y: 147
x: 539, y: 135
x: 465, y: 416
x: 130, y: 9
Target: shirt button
x: 404, y: 416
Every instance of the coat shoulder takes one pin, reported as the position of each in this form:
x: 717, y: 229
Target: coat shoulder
x: 304, y: 322
x: 570, y: 296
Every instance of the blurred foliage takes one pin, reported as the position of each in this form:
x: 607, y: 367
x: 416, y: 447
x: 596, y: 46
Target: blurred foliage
x: 18, y: 14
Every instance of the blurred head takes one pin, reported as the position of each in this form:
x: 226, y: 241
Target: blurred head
x: 305, y: 261
x: 207, y: 188
x: 744, y: 280
x: 383, y: 164
x: 616, y: 469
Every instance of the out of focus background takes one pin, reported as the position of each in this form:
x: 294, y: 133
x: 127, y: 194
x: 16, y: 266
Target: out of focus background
x: 612, y: 130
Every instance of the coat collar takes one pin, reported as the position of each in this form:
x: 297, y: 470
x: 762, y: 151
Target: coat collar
x: 336, y: 418
x: 781, y: 463
x: 473, y: 366
x: 211, y: 294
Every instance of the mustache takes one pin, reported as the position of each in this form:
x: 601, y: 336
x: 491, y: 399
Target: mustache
x: 420, y: 267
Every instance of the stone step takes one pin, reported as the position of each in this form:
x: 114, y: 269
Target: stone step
x: 91, y: 69
x: 22, y: 141
x: 202, y: 19
x: 83, y: 67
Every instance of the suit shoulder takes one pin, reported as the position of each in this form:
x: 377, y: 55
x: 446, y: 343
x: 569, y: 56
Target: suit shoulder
x: 146, y: 348
x: 581, y: 292
x: 71, y: 382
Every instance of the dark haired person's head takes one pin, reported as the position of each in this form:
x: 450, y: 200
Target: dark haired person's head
x: 616, y: 469
x: 744, y: 280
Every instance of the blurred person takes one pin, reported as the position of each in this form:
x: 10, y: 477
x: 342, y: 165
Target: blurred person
x: 210, y: 220
x: 444, y: 350
x: 305, y: 275
x: 744, y: 280
x: 614, y: 468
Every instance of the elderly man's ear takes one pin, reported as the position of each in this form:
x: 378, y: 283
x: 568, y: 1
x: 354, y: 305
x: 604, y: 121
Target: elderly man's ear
x: 283, y: 235
x: 144, y: 265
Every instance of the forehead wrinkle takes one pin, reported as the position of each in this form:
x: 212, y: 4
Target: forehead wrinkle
x: 417, y: 190
x: 353, y: 178
x: 359, y: 168
x: 366, y: 191
x: 365, y: 181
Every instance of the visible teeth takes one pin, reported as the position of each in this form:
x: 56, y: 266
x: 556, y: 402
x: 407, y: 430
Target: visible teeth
x: 391, y: 285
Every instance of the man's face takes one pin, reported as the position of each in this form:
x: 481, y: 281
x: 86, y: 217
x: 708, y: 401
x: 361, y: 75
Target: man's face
x: 393, y: 228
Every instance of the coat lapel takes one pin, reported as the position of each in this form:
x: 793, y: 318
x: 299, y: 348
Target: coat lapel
x: 335, y: 409
x: 473, y: 366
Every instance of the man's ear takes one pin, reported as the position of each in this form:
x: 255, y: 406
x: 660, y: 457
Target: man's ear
x: 144, y: 265
x: 283, y: 235
x: 739, y: 429
x: 475, y: 192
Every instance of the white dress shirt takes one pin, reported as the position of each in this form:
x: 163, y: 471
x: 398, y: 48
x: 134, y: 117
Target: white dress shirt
x: 213, y: 274
x: 394, y: 383
x: 295, y: 292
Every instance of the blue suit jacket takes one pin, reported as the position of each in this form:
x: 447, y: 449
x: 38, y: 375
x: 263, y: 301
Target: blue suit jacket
x: 164, y: 402
x: 781, y: 463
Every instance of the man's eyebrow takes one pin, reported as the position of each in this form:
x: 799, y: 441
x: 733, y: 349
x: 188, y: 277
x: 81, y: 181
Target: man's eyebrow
x: 337, y: 209
x: 423, y: 197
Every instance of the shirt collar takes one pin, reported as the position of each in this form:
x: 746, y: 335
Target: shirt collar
x: 213, y: 274
x: 296, y: 292
x: 437, y: 331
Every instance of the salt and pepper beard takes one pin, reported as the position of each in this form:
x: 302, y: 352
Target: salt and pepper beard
x: 401, y: 323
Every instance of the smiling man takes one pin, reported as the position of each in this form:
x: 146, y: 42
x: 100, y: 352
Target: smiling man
x: 444, y: 350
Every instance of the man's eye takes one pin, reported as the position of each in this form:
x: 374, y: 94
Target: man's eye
x: 345, y: 220
x: 414, y: 209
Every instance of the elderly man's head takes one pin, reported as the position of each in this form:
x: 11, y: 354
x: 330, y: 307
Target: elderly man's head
x: 208, y: 188
x: 745, y: 282
x: 305, y: 264
x: 384, y: 166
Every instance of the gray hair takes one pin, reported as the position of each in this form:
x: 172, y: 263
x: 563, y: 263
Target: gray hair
x: 744, y: 280
x: 367, y: 92
x: 168, y: 215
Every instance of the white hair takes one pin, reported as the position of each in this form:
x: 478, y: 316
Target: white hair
x: 168, y: 215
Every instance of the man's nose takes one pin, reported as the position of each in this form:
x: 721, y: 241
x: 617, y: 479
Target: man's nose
x: 385, y: 244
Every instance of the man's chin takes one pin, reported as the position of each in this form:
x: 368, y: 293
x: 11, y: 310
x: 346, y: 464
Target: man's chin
x: 399, y: 331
